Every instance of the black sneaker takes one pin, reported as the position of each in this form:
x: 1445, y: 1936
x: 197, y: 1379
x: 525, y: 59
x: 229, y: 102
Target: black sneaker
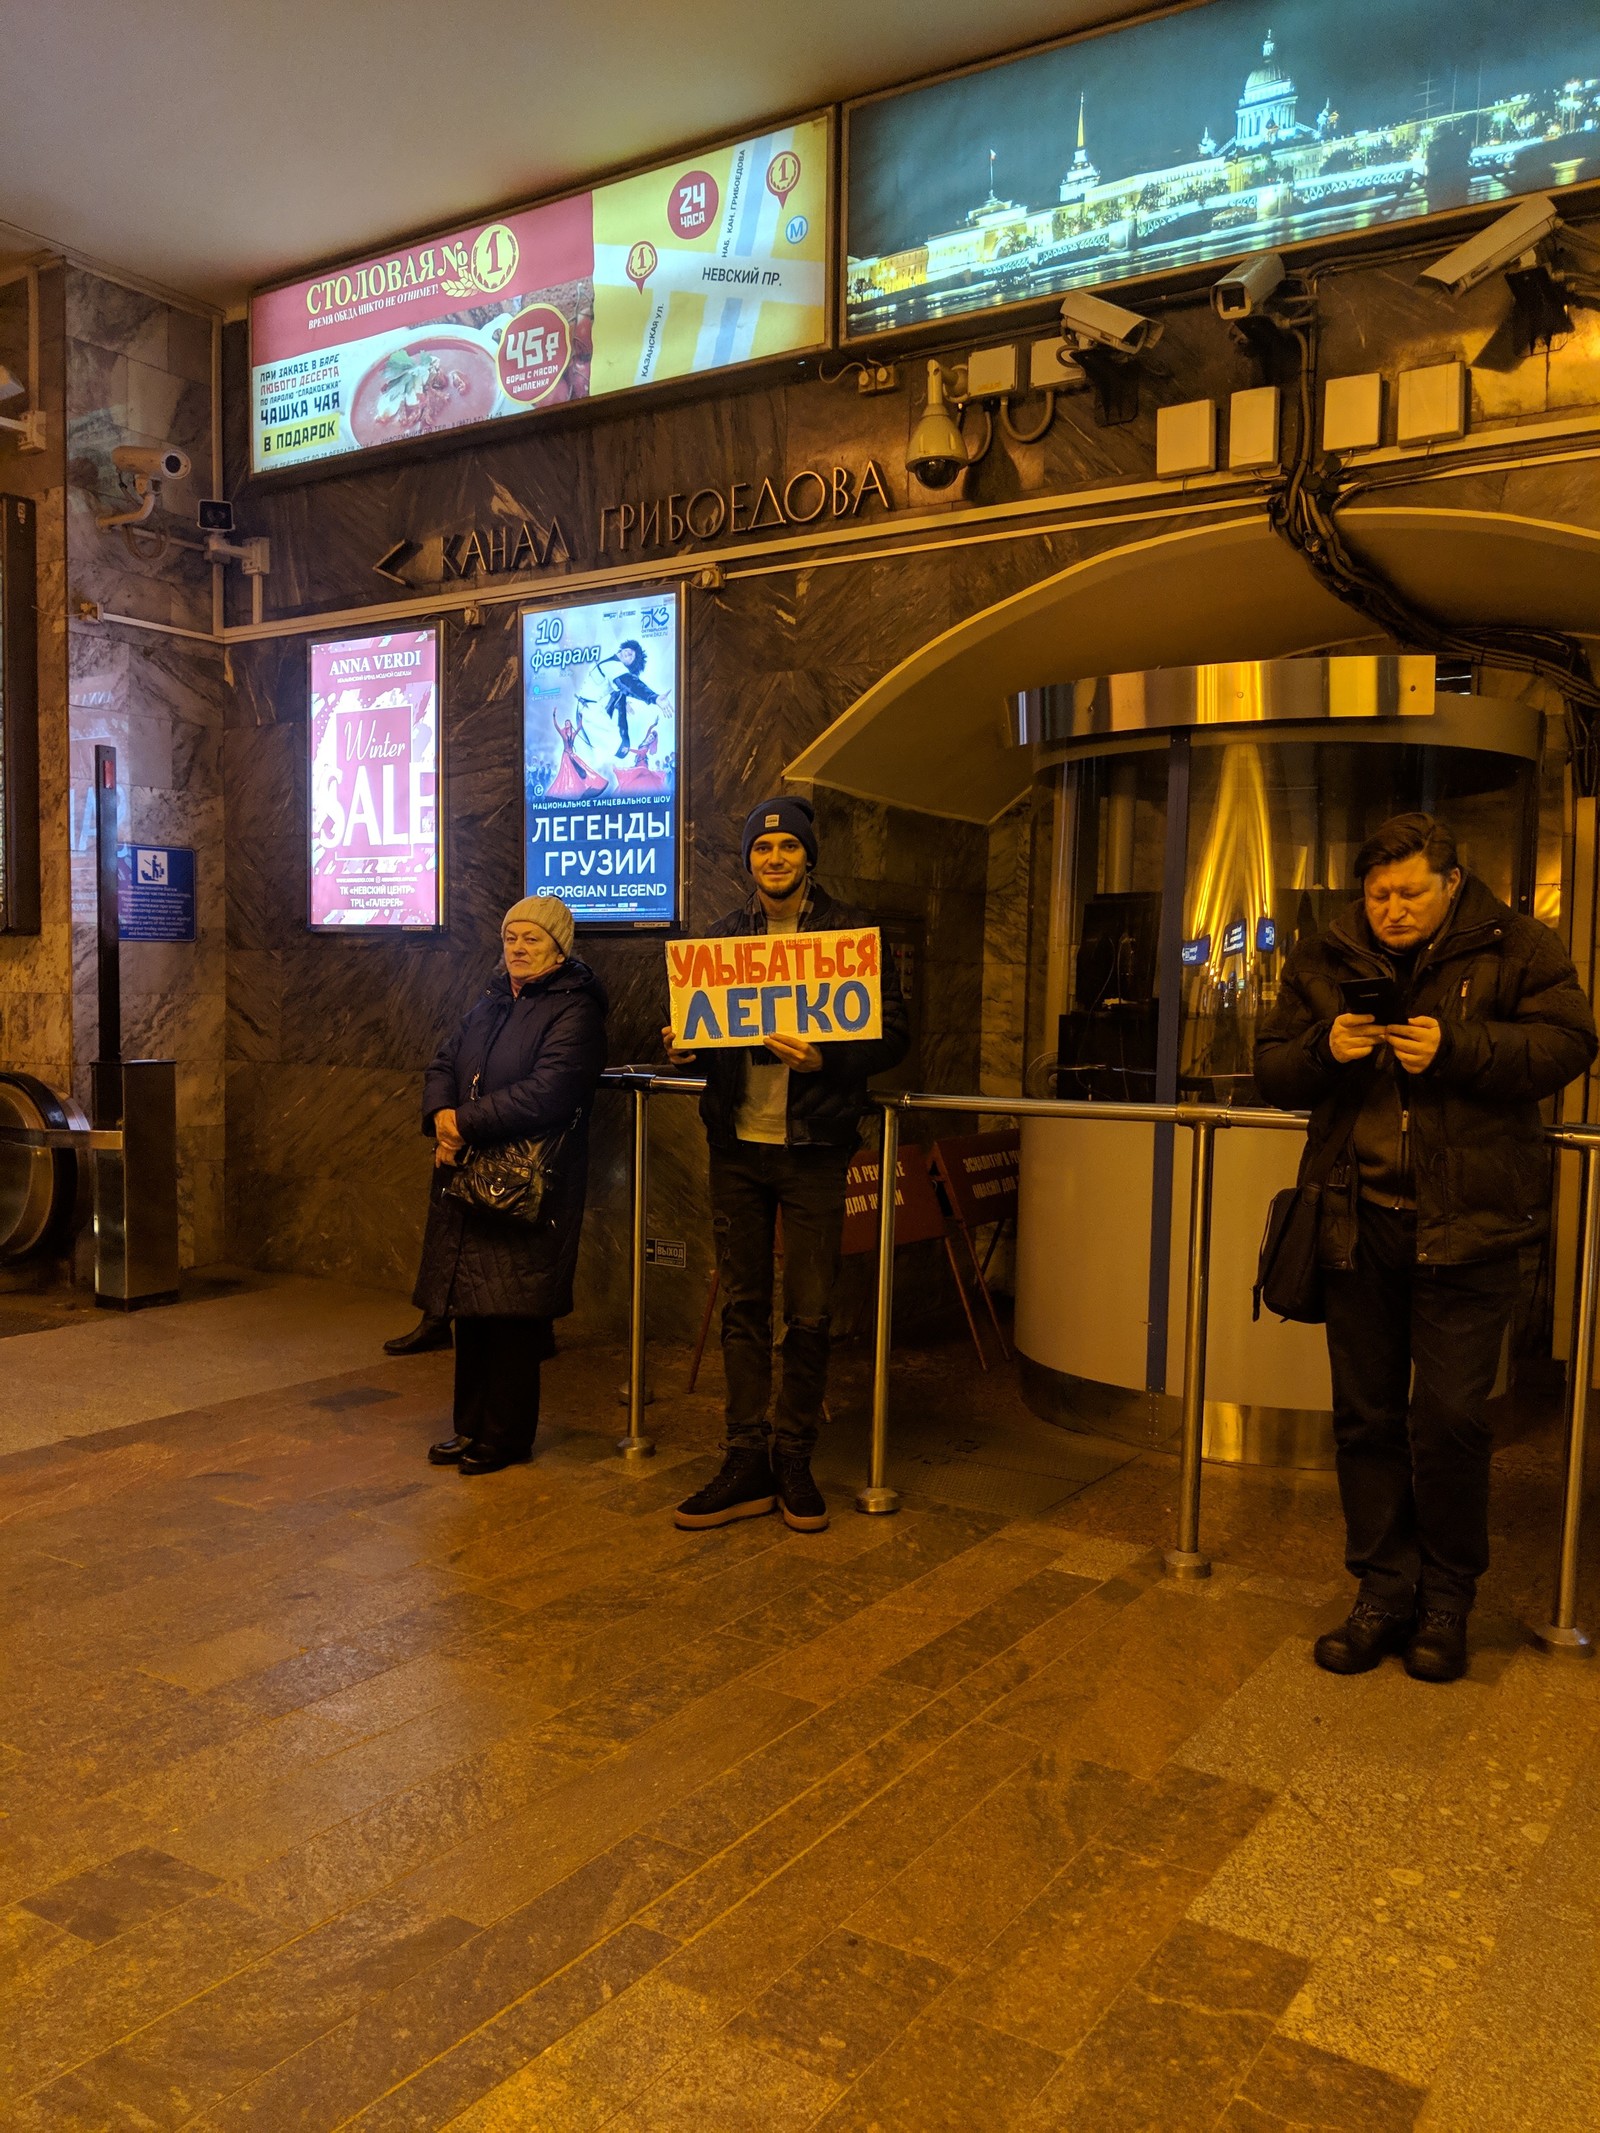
x: 742, y: 1489
x: 799, y: 1496
x: 1438, y: 1651
x: 1361, y: 1642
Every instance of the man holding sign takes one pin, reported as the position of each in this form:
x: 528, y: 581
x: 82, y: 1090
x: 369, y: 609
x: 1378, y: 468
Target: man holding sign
x: 787, y: 1008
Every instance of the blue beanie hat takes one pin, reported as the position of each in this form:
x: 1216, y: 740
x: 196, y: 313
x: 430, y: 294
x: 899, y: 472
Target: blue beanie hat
x: 787, y: 813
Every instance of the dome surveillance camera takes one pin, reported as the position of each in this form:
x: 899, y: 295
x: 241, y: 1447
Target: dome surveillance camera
x: 937, y: 453
x: 167, y: 462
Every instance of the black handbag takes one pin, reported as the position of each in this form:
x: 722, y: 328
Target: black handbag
x: 1288, y: 1266
x: 510, y: 1178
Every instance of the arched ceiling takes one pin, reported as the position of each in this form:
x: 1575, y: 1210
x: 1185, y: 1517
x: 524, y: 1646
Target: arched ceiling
x: 936, y: 732
x: 210, y: 146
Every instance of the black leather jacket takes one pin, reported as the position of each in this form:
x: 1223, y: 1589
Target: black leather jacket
x: 1516, y: 1027
x: 825, y: 1108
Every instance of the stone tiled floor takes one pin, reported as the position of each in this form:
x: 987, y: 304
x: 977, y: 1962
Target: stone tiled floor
x: 340, y: 1791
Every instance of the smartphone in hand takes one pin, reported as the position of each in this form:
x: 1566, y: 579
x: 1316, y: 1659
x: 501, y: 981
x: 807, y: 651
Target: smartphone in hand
x: 1378, y: 997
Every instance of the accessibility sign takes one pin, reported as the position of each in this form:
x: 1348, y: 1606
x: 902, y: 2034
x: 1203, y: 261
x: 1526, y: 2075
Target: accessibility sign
x: 155, y: 892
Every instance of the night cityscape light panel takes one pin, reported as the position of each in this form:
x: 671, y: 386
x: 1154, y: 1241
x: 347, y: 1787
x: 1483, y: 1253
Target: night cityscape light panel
x: 1228, y: 129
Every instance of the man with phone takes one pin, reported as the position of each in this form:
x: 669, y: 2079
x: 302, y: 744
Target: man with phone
x: 783, y: 1119
x: 1422, y: 1030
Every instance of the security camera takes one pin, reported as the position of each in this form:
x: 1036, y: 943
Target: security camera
x: 1502, y: 244
x: 168, y: 462
x: 1090, y: 322
x: 1246, y: 287
x: 937, y: 453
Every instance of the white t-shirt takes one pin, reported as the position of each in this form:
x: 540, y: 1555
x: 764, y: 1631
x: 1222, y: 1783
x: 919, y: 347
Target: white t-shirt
x: 763, y: 1113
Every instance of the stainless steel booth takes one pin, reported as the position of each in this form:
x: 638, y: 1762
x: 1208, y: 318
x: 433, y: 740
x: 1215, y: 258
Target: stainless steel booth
x: 1201, y: 820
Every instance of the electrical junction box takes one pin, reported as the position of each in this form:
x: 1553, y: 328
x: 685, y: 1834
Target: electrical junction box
x: 992, y: 373
x: 1253, y: 428
x: 1053, y: 365
x: 1433, y: 404
x: 1352, y: 413
x: 1186, y: 439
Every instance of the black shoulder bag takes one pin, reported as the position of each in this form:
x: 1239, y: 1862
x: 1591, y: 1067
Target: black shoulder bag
x: 511, y: 1178
x: 1289, y: 1268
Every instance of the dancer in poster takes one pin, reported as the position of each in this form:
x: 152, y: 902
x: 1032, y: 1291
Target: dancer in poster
x: 642, y: 775
x: 626, y: 687
x: 574, y: 780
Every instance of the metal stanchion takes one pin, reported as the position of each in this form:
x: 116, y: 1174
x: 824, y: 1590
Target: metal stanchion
x: 877, y: 1495
x: 636, y: 1445
x: 1561, y: 1633
x: 1186, y: 1560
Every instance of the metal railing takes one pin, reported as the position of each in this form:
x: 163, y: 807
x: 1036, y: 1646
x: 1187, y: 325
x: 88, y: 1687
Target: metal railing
x: 1185, y: 1558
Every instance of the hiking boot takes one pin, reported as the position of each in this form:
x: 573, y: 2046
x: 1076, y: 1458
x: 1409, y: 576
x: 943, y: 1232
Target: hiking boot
x: 742, y: 1489
x: 1438, y: 1651
x: 1363, y: 1640
x: 798, y: 1495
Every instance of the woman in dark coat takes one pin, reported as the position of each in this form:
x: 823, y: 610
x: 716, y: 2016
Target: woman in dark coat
x: 526, y: 1062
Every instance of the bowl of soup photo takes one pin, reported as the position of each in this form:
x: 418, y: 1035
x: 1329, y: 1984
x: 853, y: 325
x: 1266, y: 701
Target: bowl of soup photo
x: 436, y: 383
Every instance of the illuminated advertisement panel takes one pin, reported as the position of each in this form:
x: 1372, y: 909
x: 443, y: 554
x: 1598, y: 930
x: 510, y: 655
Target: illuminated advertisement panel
x: 1207, y: 135
x: 600, y: 750
x: 373, y: 784
x: 690, y: 268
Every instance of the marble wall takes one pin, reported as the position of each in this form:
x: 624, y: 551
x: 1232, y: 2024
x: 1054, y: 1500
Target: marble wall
x: 139, y: 371
x: 36, y: 970
x: 325, y: 1039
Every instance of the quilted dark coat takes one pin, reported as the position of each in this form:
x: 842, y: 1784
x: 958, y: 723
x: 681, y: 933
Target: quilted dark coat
x: 825, y: 1108
x: 1516, y: 1027
x: 524, y: 1064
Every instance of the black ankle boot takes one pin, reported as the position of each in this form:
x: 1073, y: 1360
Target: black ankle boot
x: 800, y: 1498
x: 1438, y: 1651
x: 490, y: 1458
x: 744, y: 1488
x: 425, y: 1335
x: 1361, y: 1642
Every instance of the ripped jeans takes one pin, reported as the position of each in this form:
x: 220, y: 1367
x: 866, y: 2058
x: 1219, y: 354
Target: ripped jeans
x: 751, y: 1183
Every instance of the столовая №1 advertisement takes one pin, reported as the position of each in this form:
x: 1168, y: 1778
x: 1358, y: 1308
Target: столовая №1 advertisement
x: 600, y: 757
x: 674, y: 272
x: 374, y: 784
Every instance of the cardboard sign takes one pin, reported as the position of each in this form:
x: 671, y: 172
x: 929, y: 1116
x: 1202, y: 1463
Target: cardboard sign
x: 917, y: 1213
x: 821, y: 987
x: 979, y: 1172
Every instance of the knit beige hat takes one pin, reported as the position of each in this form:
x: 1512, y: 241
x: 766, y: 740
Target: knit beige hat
x: 547, y: 911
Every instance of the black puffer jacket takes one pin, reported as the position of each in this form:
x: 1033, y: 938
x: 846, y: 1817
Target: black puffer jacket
x: 1516, y: 1027
x: 825, y: 1108
x: 528, y: 1064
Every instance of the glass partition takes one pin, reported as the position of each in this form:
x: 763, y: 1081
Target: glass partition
x: 1263, y: 831
x: 1274, y: 829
